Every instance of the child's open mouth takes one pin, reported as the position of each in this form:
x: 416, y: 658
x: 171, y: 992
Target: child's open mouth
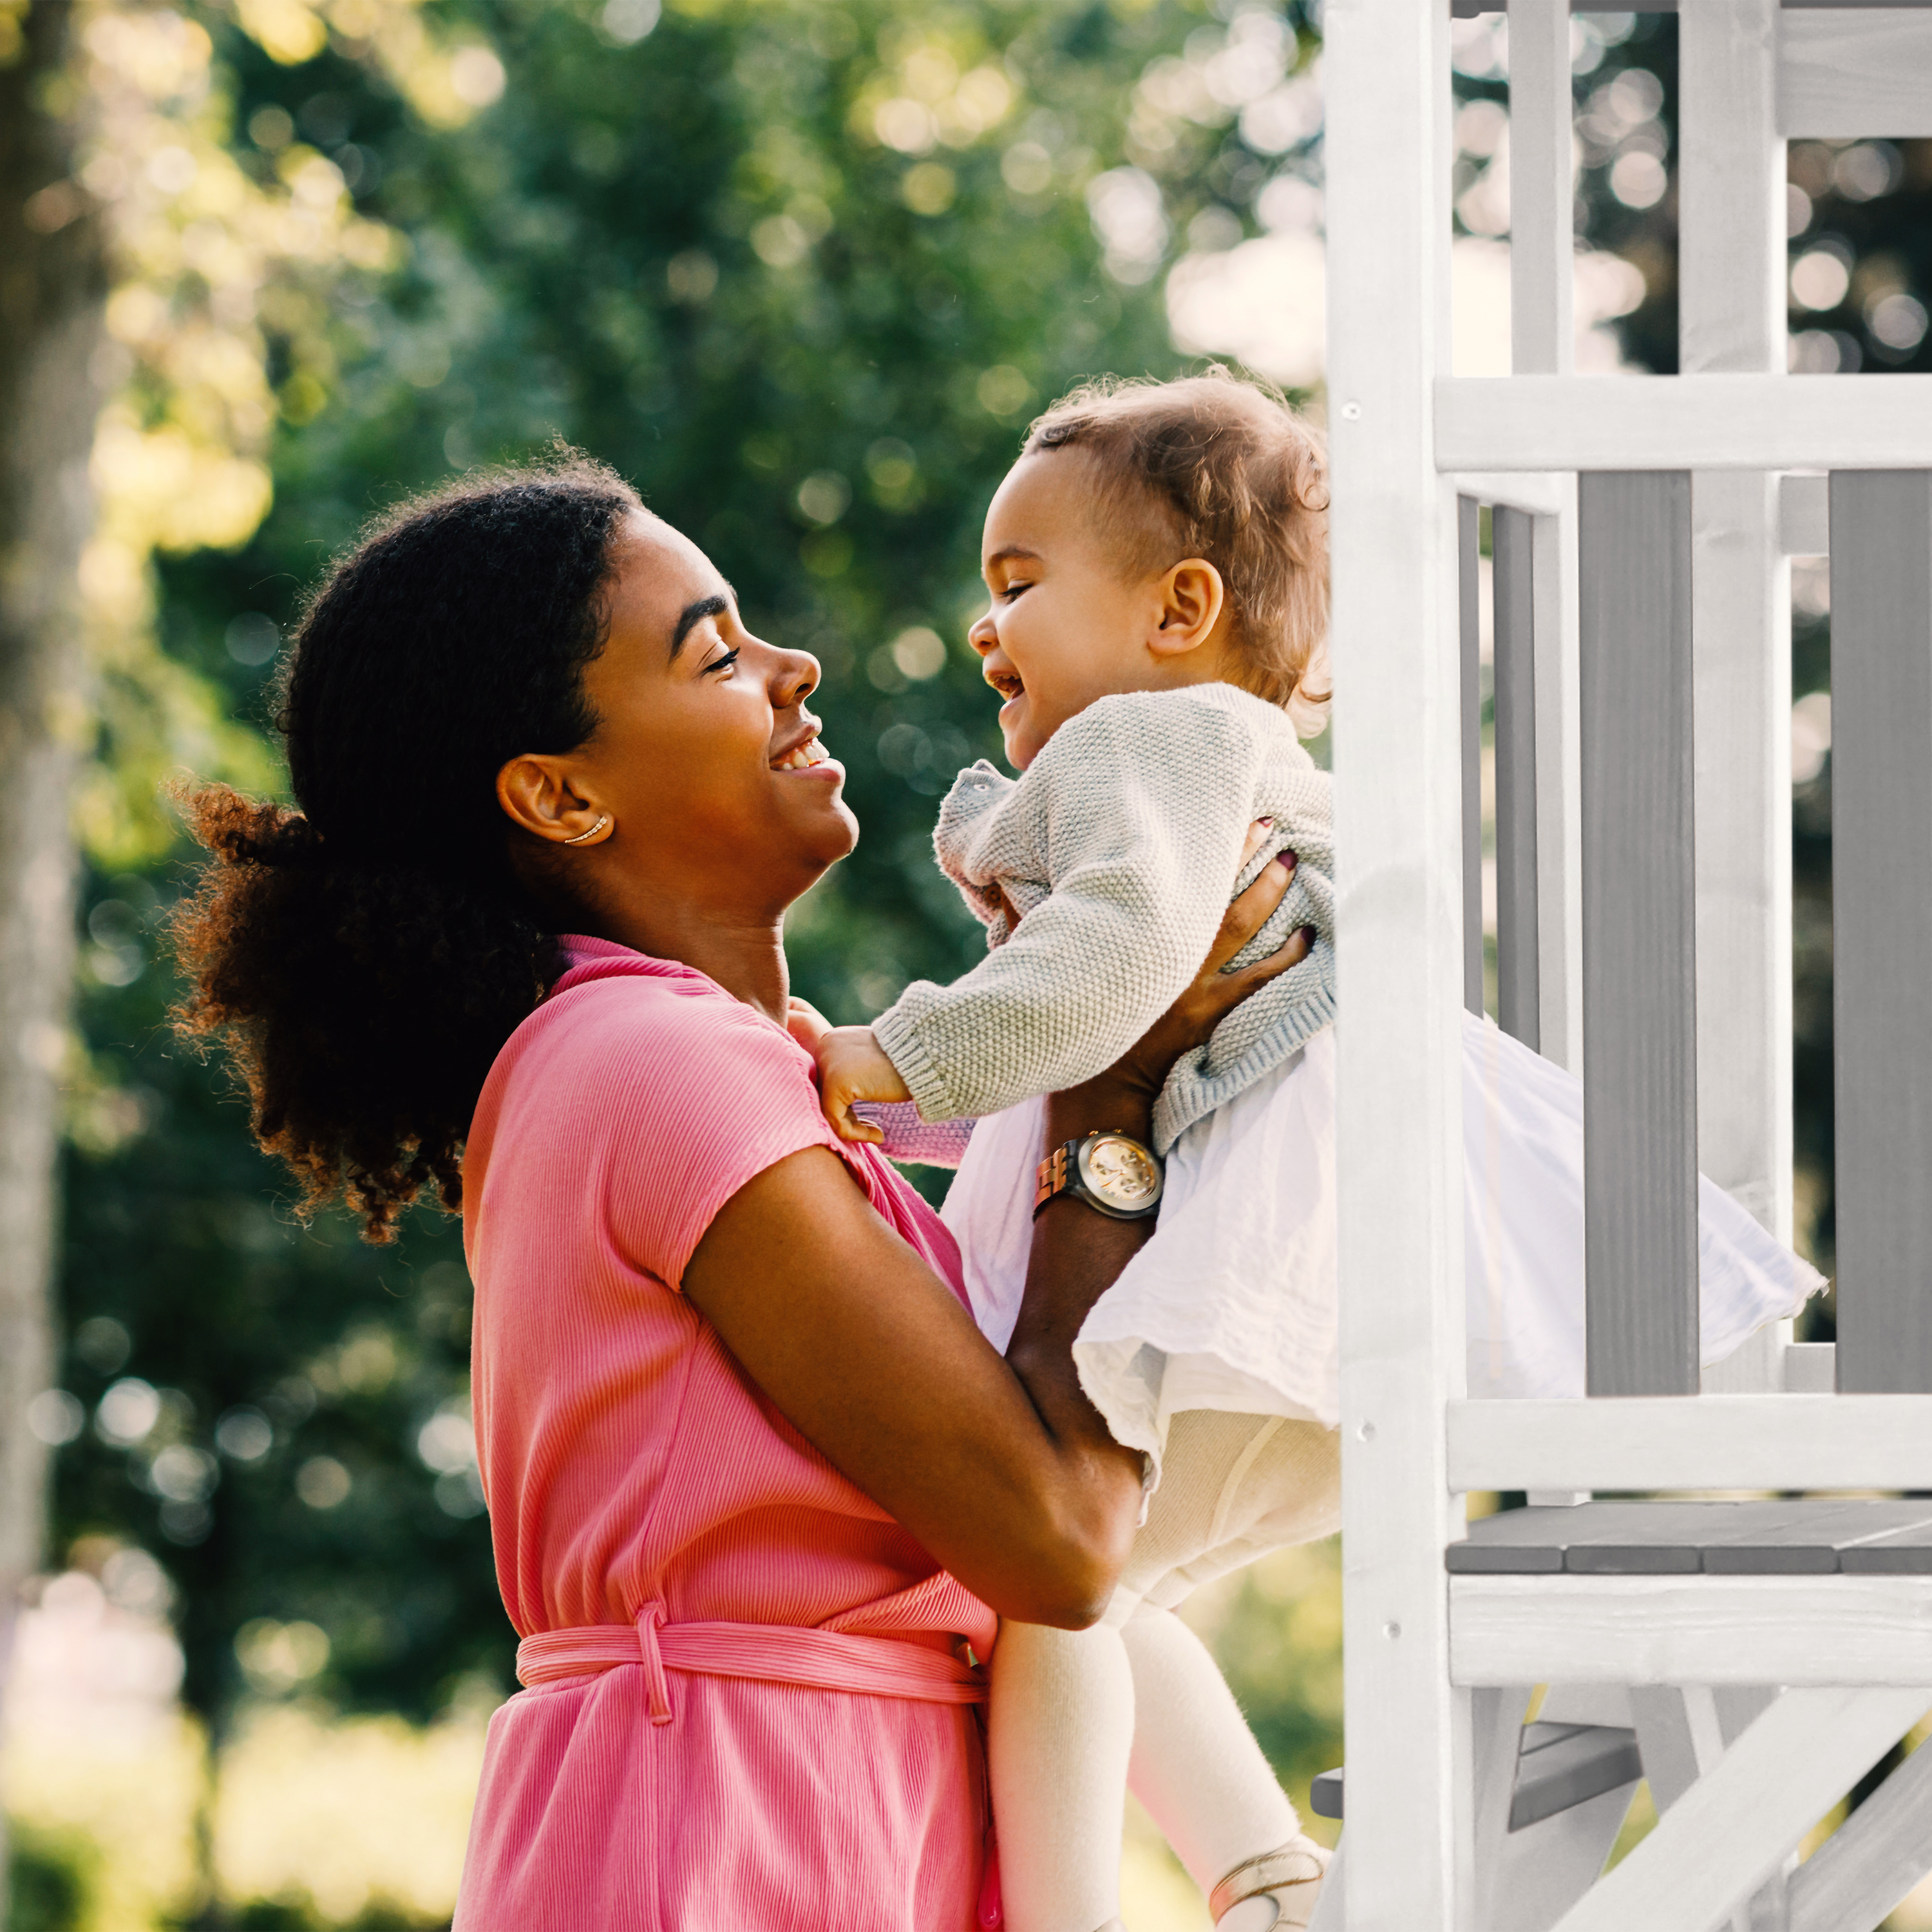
x: 1007, y: 684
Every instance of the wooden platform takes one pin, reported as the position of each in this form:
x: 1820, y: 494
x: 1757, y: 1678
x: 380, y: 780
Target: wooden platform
x: 1806, y: 1537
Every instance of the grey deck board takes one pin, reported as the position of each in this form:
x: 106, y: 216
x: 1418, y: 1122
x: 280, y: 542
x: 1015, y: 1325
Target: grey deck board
x: 1469, y: 605
x: 1639, y: 935
x: 1806, y: 1536
x: 1882, y: 923
x: 1518, y: 1008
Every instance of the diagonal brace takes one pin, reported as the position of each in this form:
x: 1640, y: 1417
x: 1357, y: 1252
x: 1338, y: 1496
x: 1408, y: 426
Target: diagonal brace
x: 1853, y: 1881
x: 1733, y: 1828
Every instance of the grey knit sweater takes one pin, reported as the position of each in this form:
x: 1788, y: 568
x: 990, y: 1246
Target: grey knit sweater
x: 1118, y: 848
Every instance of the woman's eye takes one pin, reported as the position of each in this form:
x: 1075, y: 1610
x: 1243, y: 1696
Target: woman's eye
x: 723, y: 663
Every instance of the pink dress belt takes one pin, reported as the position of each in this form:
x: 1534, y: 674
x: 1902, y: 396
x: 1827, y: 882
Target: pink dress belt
x: 878, y: 1667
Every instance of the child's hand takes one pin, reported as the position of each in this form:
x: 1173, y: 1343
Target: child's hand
x: 852, y: 1066
x: 805, y: 1023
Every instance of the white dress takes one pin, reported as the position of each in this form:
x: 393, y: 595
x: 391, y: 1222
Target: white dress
x: 1231, y: 1305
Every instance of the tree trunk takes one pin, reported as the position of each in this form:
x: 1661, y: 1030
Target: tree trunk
x: 52, y: 285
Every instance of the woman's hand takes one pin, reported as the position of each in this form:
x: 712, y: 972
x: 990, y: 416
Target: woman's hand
x: 1142, y: 1070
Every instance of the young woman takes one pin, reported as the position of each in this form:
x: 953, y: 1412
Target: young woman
x: 759, y: 1488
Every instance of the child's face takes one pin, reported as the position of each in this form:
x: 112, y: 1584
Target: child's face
x: 1067, y: 623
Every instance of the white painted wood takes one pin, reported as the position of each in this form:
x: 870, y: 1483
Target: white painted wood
x: 1400, y: 1208
x: 1735, y: 1828
x: 1853, y: 1880
x: 1804, y: 515
x: 1542, y: 193
x: 1515, y: 490
x: 1331, y: 1910
x: 1810, y: 1368
x: 1731, y: 180
x: 1496, y: 1739
x: 1559, y: 807
x: 1680, y: 422
x: 1848, y: 71
x: 1732, y: 262
x: 1678, y: 1733
x: 1547, y: 1867
x: 1741, y: 627
x: 1693, y: 1629
x: 1715, y: 1442
x: 1588, y: 1704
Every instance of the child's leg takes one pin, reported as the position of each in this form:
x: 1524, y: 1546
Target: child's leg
x: 1060, y: 1726
x: 1196, y: 1765
x: 1233, y: 1487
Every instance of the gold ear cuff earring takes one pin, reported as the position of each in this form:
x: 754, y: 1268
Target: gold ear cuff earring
x: 584, y: 838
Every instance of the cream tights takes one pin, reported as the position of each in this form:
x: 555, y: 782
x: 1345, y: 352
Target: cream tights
x: 1075, y: 1715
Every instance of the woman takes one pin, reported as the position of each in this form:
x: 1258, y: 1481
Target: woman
x: 759, y: 1489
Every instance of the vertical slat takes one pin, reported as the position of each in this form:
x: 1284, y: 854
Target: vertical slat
x: 1542, y: 196
x: 1639, y: 962
x: 1469, y: 624
x: 1559, y: 847
x: 1398, y: 943
x: 1518, y: 932
x: 1733, y: 261
x: 1882, y: 923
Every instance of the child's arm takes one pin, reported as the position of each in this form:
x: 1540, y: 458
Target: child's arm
x: 1140, y: 838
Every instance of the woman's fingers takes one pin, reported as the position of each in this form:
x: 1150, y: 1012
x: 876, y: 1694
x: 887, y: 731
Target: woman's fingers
x: 1247, y: 914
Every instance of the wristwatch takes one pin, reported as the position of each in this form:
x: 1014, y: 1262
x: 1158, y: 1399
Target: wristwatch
x: 1112, y: 1172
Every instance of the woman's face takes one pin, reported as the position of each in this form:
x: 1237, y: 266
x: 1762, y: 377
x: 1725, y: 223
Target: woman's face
x: 704, y: 757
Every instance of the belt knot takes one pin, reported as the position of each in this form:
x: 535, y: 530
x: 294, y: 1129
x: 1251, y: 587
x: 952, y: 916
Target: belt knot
x: 657, y: 1685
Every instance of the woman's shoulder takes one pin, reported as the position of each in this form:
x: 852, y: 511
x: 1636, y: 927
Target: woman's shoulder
x: 615, y: 1039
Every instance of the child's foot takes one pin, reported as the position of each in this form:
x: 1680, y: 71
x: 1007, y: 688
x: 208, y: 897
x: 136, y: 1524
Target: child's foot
x: 1272, y: 1893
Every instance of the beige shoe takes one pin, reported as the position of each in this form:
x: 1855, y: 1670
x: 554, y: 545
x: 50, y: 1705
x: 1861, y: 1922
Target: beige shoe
x: 1291, y: 1876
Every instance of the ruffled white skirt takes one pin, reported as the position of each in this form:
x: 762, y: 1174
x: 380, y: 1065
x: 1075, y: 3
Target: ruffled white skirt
x: 1231, y: 1305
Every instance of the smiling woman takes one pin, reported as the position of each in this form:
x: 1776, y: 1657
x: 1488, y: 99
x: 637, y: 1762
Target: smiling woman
x: 759, y: 1488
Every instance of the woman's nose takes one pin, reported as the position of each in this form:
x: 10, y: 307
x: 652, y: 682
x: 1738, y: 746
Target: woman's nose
x: 794, y: 678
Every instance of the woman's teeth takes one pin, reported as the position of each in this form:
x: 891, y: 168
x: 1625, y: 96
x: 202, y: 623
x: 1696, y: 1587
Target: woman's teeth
x: 811, y: 752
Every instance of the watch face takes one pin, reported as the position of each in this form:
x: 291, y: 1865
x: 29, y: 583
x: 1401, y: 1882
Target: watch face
x: 1121, y: 1172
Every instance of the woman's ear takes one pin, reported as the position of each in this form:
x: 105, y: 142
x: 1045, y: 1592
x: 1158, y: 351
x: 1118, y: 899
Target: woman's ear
x: 1192, y: 599
x: 539, y: 799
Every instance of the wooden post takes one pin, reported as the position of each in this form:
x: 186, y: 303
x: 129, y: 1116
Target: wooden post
x: 1469, y: 622
x: 1519, y: 936
x: 1639, y: 986
x: 1881, y: 928
x: 1543, y: 342
x: 1400, y: 956
x: 1731, y: 283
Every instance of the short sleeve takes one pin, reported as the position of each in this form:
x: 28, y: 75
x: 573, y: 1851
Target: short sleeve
x: 703, y: 1095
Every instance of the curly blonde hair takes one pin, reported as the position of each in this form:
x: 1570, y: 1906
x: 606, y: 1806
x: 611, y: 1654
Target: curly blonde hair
x: 1218, y: 468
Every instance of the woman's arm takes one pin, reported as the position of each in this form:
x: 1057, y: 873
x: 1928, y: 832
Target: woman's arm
x: 1002, y: 1469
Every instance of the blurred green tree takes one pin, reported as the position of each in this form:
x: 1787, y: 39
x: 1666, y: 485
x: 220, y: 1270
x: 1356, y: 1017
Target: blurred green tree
x: 803, y: 272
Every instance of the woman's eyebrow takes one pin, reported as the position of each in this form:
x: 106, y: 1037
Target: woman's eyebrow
x: 692, y: 615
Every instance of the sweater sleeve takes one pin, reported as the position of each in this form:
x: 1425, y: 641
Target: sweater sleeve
x: 1135, y: 815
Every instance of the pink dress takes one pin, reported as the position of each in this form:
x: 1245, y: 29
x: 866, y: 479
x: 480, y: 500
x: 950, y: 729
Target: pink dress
x: 684, y: 1767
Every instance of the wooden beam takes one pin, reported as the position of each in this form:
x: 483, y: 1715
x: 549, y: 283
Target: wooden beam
x: 1639, y: 951
x: 1682, y: 422
x: 1868, y: 1629
x: 1469, y: 626
x: 1717, y: 1442
x: 1882, y: 935
x: 1518, y: 935
x: 1735, y: 1825
x: 1853, y: 1880
x: 1847, y: 72
x: 1397, y: 763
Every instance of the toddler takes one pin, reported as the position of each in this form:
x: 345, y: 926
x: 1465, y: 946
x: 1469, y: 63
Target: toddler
x: 1157, y: 563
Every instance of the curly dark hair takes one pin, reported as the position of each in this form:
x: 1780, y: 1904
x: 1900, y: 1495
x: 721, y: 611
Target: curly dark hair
x: 362, y: 957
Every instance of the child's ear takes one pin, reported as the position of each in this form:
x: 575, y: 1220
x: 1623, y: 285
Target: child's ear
x: 1192, y: 599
